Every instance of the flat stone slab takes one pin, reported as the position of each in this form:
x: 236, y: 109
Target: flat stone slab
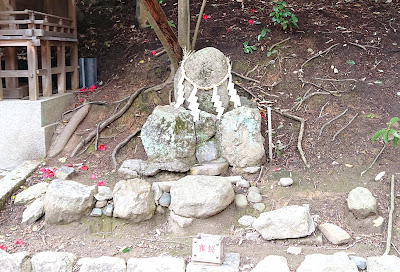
x: 31, y: 193
x: 102, y: 264
x: 14, y: 179
x: 338, y: 262
x: 49, y: 261
x: 272, y: 263
x: 230, y: 264
x: 210, y: 169
x: 336, y: 235
x: 386, y: 263
x: 156, y: 264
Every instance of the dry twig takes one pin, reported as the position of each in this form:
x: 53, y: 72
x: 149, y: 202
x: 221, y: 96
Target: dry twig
x: 390, y: 220
x: 330, y: 121
x: 245, y: 77
x: 343, y: 128
x: 319, y: 54
x: 376, y: 158
x: 358, y: 45
x: 278, y: 43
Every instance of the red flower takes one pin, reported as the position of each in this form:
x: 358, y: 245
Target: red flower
x: 93, y: 176
x: 70, y: 165
x: 262, y: 114
x: 154, y: 52
x: 84, y: 167
x: 102, y: 147
x: 106, y: 96
x: 93, y: 87
x: 101, y: 183
x: 253, y: 10
x: 3, y: 247
x: 18, y: 242
x: 84, y: 89
x: 205, y: 16
x: 251, y: 21
x: 50, y: 174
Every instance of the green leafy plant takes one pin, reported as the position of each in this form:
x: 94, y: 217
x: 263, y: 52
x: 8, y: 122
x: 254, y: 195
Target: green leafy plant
x: 270, y: 51
x: 263, y: 33
x: 385, y: 133
x: 282, y: 16
x: 171, y: 24
x: 248, y: 48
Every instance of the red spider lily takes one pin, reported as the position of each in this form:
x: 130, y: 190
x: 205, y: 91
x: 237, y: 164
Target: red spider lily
x: 154, y: 52
x: 101, y: 183
x: 102, y: 147
x: 251, y: 21
x: 3, y: 247
x: 93, y: 176
x: 84, y: 167
x: 205, y: 16
x: 18, y: 242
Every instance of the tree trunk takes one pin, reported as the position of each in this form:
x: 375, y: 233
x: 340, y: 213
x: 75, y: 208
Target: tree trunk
x: 164, y: 32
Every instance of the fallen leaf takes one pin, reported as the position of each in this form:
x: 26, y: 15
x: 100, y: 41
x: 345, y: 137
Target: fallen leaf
x: 348, y: 165
x: 62, y: 160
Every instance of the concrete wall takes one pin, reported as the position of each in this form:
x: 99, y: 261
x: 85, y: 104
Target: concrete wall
x: 26, y: 127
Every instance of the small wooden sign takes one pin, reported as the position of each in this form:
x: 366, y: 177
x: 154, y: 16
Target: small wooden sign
x: 208, y: 248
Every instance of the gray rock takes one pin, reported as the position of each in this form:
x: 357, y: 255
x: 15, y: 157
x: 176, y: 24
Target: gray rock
x: 205, y: 67
x: 49, y: 261
x: 100, y: 204
x: 103, y: 193
x: 243, y: 183
x: 239, y: 137
x: 155, y: 264
x: 33, y: 212
x: 259, y: 207
x: 96, y: 212
x: 165, y: 200
x: 160, y: 210
x: 108, y: 210
x: 207, y: 152
x: 254, y: 189
x: 272, y: 263
x: 17, y: 262
x: 338, y: 262
x: 205, y: 127
x: 287, y: 222
x: 285, y: 182
x: 241, y: 201
x: 102, y: 264
x: 134, y: 168
x: 361, y: 202
x: 385, y: 263
x: 169, y: 136
x: 252, y: 236
x: 157, y: 191
x: 180, y: 220
x: 230, y: 264
x: 200, y: 196
x: 133, y: 200
x: 210, y: 169
x: 250, y: 170
x: 33, y: 192
x: 67, y: 201
x: 64, y: 172
x: 359, y: 261
x: 294, y: 250
x: 254, y: 197
x: 246, y: 220
x: 334, y: 234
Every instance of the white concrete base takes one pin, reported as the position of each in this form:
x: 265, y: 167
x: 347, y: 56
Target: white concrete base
x: 26, y: 127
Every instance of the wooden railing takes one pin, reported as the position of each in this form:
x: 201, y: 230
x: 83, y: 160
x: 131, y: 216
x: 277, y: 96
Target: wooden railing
x: 29, y: 24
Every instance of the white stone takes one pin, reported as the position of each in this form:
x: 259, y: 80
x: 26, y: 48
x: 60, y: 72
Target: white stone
x: 49, y: 261
x: 272, y: 263
x: 334, y: 234
x: 386, y: 263
x: 108, y: 210
x: 294, y: 250
x: 210, y: 169
x: 252, y: 236
x: 17, y: 262
x: 380, y: 176
x: 101, y: 204
x: 241, y: 201
x: 254, y: 197
x: 230, y: 264
x: 201, y: 196
x: 133, y: 200
x: 246, y: 220
x: 102, y: 264
x: 287, y: 222
x: 285, y: 182
x: 259, y: 207
x: 67, y: 201
x: 64, y: 172
x: 254, y: 189
x: 103, y: 193
x: 338, y: 262
x: 180, y: 220
x: 156, y: 264
x: 33, y: 212
x: 31, y: 193
x: 207, y: 152
x: 361, y: 202
x: 243, y: 183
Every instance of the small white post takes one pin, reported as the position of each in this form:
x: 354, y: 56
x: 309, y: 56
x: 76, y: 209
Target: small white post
x: 269, y: 134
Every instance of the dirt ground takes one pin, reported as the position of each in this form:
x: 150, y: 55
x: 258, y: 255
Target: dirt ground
x: 365, y: 50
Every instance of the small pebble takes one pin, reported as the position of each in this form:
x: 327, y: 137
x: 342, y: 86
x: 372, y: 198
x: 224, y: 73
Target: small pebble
x: 259, y: 207
x: 165, y: 199
x: 246, y: 220
x: 254, y: 197
x: 96, y: 212
x: 294, y: 250
x: 285, y: 182
x: 241, y: 201
x: 254, y: 189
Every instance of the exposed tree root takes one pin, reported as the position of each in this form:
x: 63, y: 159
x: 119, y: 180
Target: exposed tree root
x: 343, y: 128
x: 318, y: 55
x: 301, y: 133
x: 117, y: 114
x: 376, y: 158
x: 330, y: 121
x: 245, y: 77
x: 390, y: 220
x: 120, y: 145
